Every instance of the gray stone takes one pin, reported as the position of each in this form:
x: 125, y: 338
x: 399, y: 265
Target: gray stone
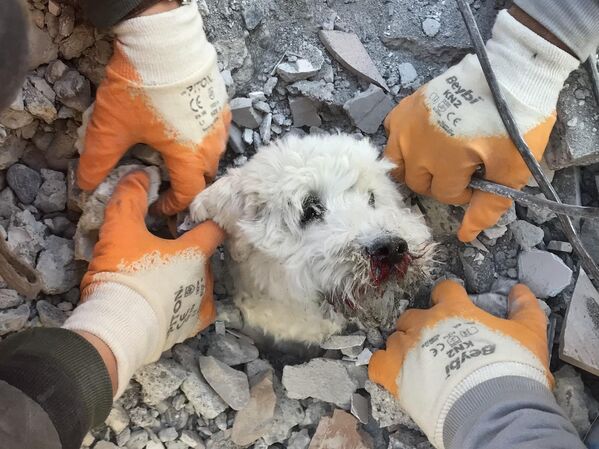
x: 408, y: 439
x: 230, y: 384
x: 41, y: 48
x: 52, y: 195
x: 231, y: 350
x: 299, y: 440
x: 495, y: 232
x: 270, y: 84
x: 37, y: 104
x: 13, y: 320
x: 138, y: 440
x: 253, y: 13
x: 244, y: 113
x: 26, y: 236
x: 431, y: 26
x: 320, y: 91
x: 42, y: 86
x: 248, y: 136
x: 288, y: 414
x: 479, y: 269
x: 306, y: 66
x: 360, y: 408
x: 80, y: 40
x: 154, y: 445
x: 368, y: 109
x: 74, y: 91
x: 24, y: 181
x: 176, y: 445
x: 539, y: 215
x: 191, y: 438
x: 589, y: 234
x: 168, y: 434
x: 50, y: 316
x: 9, y: 299
x: 570, y: 395
x: 304, y: 111
x: 324, y: 379
x: 343, y: 341
x: 55, y: 70
x: 105, y: 445
x: 15, y: 116
x: 160, y: 380
x: 385, y: 408
x: 543, y: 272
x: 117, y: 420
x: 526, y: 235
x: 56, y: 266
x: 236, y: 139
x: 348, y: 50
x: 562, y: 247
x: 407, y: 74
x: 493, y: 303
x: 265, y: 132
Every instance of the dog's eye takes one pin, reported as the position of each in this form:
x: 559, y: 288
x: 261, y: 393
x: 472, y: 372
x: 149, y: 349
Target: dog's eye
x: 371, y: 200
x: 312, y: 210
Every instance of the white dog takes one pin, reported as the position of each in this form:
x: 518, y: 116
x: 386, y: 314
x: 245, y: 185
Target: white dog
x: 318, y: 235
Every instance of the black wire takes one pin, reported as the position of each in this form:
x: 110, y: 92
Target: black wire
x: 510, y: 123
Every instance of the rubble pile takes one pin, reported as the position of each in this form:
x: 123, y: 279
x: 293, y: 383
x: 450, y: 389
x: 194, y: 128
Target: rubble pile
x: 290, y: 68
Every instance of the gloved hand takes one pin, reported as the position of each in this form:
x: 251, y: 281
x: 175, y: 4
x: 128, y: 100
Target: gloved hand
x: 162, y: 88
x: 442, y: 133
x: 143, y: 294
x: 439, y: 354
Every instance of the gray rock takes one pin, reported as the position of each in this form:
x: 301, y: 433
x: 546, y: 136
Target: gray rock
x: 15, y: 116
x: 9, y: 299
x: 168, y: 434
x: 50, y: 316
x: 543, y: 272
x: 562, y: 247
x: 324, y: 379
x: 56, y: 266
x: 385, y: 408
x: 41, y: 48
x: 231, y: 350
x: 105, y: 445
x: 539, y: 215
x: 244, y: 113
x: 52, y: 195
x: 176, y: 445
x: 571, y: 397
x: 589, y: 235
x: 37, y: 104
x: 343, y: 341
x: 479, y: 269
x: 431, y: 26
x: 192, y: 439
x: 299, y: 440
x: 13, y: 320
x: 26, y: 236
x: 319, y: 91
x: 526, y: 235
x: 231, y: 384
x: 304, y: 111
x: 24, y: 181
x: 265, y: 132
x: 55, y: 70
x: 74, y: 91
x: 154, y: 445
x: 368, y: 109
x: 42, y: 86
x: 160, y: 380
x: 304, y: 67
x: 408, y: 439
x: 493, y: 303
x: 407, y: 74
x: 138, y: 440
x: 253, y: 13
x: 117, y: 420
x: 288, y: 414
x: 79, y: 40
x: 236, y: 139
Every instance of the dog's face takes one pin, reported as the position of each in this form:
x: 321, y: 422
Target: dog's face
x: 319, y: 218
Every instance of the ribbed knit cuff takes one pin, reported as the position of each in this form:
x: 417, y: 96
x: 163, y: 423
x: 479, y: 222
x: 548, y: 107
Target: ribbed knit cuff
x: 167, y: 48
x: 64, y: 374
x: 126, y: 322
x: 465, y: 412
x: 532, y: 69
x: 575, y: 23
x: 107, y: 13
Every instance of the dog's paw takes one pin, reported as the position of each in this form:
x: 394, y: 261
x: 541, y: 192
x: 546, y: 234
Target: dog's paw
x: 198, y: 210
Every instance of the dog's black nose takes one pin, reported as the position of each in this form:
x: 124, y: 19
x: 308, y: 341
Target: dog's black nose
x: 390, y: 248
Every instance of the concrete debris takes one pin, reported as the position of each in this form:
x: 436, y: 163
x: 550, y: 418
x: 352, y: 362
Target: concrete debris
x: 26, y: 235
x: 493, y: 303
x: 230, y: 384
x: 307, y: 64
x: 118, y: 419
x: 38, y: 105
x: 570, y: 395
x: 407, y: 74
x: 351, y: 54
x: 495, y: 232
x: 580, y: 331
x: 265, y: 132
x: 304, y: 111
x: 191, y: 439
x: 168, y: 434
x: 13, y: 320
x: 9, y: 299
x: 360, y: 408
x: 80, y: 40
x: 244, y: 113
x: 160, y: 380
x: 52, y: 195
x: 50, y: 316
x: 543, y: 272
x: 319, y: 91
x: 74, y: 91
x: 562, y: 247
x: 56, y: 266
x: 589, y: 234
x: 364, y: 357
x: 526, y: 235
x: 288, y: 414
x: 385, y: 408
x: 368, y: 109
x: 42, y: 49
x: 299, y: 440
x: 24, y: 182
x: 343, y: 341
x: 479, y: 269
x: 253, y: 13
x: 231, y: 350
x: 431, y: 26
x: 408, y: 439
x: 252, y: 422
x: 340, y: 432
x: 539, y: 215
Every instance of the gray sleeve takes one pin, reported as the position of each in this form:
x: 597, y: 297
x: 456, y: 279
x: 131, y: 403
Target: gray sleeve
x: 509, y: 413
x: 574, y: 22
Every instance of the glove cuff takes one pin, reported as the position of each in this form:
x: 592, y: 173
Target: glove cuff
x: 124, y: 320
x: 478, y: 377
x: 167, y: 48
x: 530, y: 68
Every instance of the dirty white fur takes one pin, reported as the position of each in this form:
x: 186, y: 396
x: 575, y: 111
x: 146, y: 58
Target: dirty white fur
x: 292, y: 282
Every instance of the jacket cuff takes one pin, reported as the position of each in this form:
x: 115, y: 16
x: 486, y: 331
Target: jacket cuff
x: 107, y: 13
x: 575, y: 23
x: 64, y: 374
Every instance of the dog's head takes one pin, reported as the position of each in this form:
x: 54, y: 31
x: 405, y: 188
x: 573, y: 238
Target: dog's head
x: 321, y: 217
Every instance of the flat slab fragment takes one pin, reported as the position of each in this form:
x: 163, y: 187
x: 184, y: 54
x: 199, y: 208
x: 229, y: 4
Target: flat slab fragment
x: 579, y: 341
x: 348, y: 50
x: 340, y: 432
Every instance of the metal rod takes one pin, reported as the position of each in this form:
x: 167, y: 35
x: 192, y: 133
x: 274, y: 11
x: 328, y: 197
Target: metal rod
x: 591, y: 65
x: 512, y: 129
x: 531, y: 200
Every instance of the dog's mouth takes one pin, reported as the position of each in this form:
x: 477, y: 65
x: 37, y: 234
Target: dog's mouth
x: 382, y: 268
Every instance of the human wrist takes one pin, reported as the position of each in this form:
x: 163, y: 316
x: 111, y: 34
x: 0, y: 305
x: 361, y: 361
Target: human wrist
x: 107, y: 356
x: 151, y: 7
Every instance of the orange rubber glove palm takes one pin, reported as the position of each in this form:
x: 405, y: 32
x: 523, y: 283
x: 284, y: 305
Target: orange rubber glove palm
x: 162, y: 88
x: 443, y: 133
x: 143, y: 294
x: 438, y: 355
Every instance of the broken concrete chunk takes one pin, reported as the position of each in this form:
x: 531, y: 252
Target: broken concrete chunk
x: 303, y: 67
x: 543, y: 272
x: 9, y: 299
x: 13, y: 320
x: 244, y: 113
x: 340, y: 432
x: 288, y: 414
x: 407, y: 74
x: 231, y: 350
x: 253, y: 13
x: 41, y: 48
x: 74, y: 90
x: 160, y: 380
x: 230, y: 384
x: 562, y: 247
x: 50, y: 316
x: 299, y: 440
x: 26, y: 235
x: 24, y: 182
x: 52, y: 195
x: 304, y: 111
x: 526, y: 235
x: 570, y: 395
x: 56, y: 266
x: 343, y: 341
x: 348, y: 50
x: 479, y: 269
x: 364, y: 357
x: 579, y: 339
x: 360, y: 408
x: 324, y: 379
x: 431, y: 26
x: 320, y: 91
x: 493, y: 303
x: 385, y: 408
x: 368, y: 109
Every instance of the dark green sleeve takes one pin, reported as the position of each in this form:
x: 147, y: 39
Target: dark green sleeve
x: 62, y: 373
x: 107, y: 13
x: 13, y: 50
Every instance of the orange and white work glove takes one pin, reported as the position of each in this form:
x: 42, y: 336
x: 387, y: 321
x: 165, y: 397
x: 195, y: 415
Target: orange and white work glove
x: 162, y: 88
x: 441, y: 134
x: 143, y: 294
x: 440, y: 354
